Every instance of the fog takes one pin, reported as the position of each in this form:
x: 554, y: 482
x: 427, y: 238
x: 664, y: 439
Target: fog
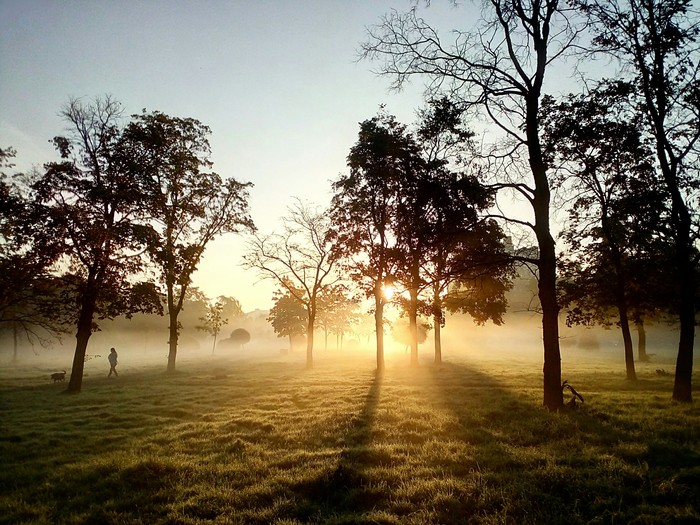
x: 516, y: 343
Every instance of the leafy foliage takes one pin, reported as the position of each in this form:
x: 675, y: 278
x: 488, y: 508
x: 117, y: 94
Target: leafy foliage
x: 188, y: 206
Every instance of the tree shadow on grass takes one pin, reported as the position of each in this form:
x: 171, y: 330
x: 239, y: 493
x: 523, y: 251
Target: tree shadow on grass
x: 534, y: 466
x: 344, y: 494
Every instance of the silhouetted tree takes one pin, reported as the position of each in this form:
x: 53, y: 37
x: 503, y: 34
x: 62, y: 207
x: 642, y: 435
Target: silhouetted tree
x: 498, y: 69
x: 617, y: 207
x: 364, y: 209
x: 657, y: 44
x: 29, y: 305
x: 93, y: 217
x: 188, y: 206
x: 456, y: 243
x: 299, y: 259
x: 240, y: 337
x: 213, y: 321
x: 288, y: 315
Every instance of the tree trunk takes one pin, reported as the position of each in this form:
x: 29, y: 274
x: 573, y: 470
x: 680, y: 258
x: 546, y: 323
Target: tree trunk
x: 641, y: 342
x: 438, y: 342
x: 413, y: 324
x: 82, y: 336
x: 627, y: 340
x: 620, y: 296
x: 682, y: 385
x: 379, y: 326
x: 213, y: 347
x: 553, y: 396
x: 310, y: 341
x: 173, y: 311
x: 547, y: 262
x: 174, y: 330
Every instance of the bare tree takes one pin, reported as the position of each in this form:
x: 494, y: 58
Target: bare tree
x: 498, y: 68
x: 299, y: 259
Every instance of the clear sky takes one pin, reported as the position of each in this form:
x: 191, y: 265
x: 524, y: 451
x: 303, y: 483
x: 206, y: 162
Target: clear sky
x: 277, y: 81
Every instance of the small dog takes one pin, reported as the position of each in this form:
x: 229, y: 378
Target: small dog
x: 58, y: 376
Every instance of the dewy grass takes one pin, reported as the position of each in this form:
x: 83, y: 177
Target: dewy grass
x: 252, y: 442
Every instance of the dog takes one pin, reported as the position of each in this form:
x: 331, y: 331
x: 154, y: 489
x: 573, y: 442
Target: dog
x: 58, y: 376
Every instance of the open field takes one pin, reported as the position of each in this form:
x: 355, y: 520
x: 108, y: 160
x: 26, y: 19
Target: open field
x: 267, y: 441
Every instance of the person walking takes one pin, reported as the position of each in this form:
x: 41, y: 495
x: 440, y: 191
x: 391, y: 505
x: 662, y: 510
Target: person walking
x: 112, y: 362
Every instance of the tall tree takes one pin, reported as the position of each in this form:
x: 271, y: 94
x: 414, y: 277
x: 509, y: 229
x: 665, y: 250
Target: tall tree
x: 188, y: 206
x: 93, y: 216
x: 457, y: 243
x: 300, y: 259
x: 617, y: 206
x: 364, y: 208
x: 657, y: 43
x: 497, y: 68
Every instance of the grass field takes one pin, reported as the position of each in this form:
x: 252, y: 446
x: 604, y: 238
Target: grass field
x: 225, y: 441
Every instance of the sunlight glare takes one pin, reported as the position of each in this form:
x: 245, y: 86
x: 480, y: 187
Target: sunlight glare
x: 388, y: 291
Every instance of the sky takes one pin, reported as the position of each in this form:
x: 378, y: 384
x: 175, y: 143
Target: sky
x: 278, y: 82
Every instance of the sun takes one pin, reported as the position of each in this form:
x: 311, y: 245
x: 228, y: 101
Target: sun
x: 388, y: 291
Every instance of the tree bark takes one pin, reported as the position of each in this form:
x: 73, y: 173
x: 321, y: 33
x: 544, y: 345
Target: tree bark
x: 437, y: 324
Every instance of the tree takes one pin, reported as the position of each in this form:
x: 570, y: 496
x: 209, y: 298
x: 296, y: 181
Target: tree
x: 656, y: 42
x: 364, y: 208
x: 231, y: 307
x: 188, y: 206
x: 213, y: 321
x: 337, y: 313
x: 93, y: 212
x: 457, y: 245
x: 240, y: 337
x: 288, y: 315
x: 617, y: 205
x: 29, y: 304
x: 404, y: 333
x: 499, y: 70
x: 299, y: 259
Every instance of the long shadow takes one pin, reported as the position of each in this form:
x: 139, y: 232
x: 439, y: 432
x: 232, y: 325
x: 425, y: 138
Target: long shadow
x: 345, y: 491
x: 530, y: 463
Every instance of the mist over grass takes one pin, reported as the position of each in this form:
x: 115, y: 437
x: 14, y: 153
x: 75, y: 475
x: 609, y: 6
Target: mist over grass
x: 253, y: 437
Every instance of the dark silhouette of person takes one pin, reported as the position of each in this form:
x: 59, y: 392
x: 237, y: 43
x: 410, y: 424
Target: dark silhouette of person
x: 112, y: 362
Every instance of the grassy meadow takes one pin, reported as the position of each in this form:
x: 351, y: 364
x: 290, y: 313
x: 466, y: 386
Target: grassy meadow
x: 229, y: 441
